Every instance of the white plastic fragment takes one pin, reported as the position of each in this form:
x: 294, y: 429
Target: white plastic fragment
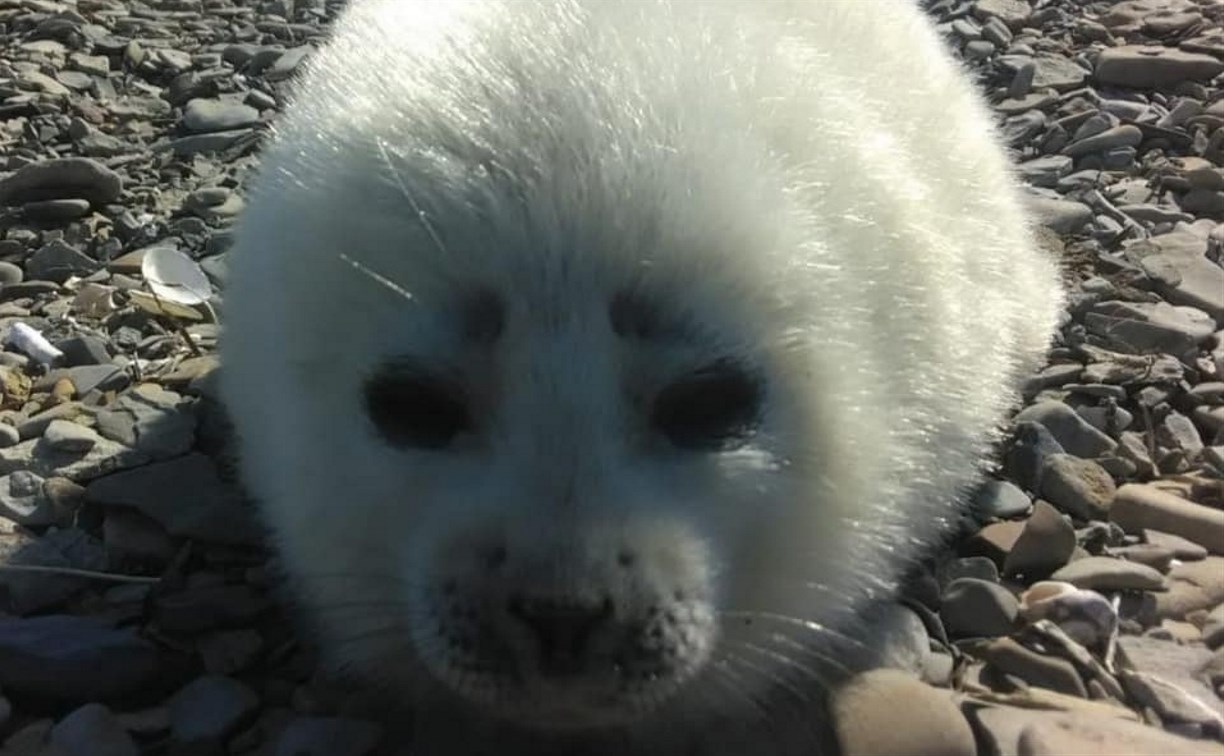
x: 29, y: 340
x: 175, y: 277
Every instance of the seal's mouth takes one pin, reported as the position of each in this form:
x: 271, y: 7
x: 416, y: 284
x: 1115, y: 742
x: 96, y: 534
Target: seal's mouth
x: 557, y: 661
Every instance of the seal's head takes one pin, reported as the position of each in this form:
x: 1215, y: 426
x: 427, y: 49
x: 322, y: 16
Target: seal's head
x: 557, y: 347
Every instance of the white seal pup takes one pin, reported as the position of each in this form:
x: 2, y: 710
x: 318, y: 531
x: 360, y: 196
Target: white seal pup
x: 597, y: 363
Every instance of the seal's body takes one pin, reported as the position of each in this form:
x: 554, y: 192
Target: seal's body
x: 597, y: 363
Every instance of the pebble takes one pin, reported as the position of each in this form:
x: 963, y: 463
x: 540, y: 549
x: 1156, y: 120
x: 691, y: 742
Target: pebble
x: 204, y: 116
x: 1000, y: 499
x: 972, y: 608
x: 69, y: 437
x: 1072, y: 432
x: 1060, y: 733
x: 1151, y: 67
x: 210, y: 709
x: 1146, y: 327
x: 887, y: 711
x: 1046, y: 543
x: 57, y: 261
x: 1181, y: 548
x: 185, y: 495
x: 1118, y: 136
x: 1213, y: 628
x: 1193, y: 586
x: 1009, y: 656
x: 1109, y: 574
x: 1079, y: 487
x: 1137, y: 507
x: 92, y: 730
x: 1060, y: 215
x: 61, y: 178
x: 67, y: 658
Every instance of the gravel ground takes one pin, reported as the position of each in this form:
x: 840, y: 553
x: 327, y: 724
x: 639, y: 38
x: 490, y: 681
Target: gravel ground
x: 1082, y: 611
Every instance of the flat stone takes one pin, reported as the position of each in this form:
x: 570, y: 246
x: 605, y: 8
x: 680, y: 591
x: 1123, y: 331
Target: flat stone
x: 1118, y: 136
x: 1137, y: 507
x: 1182, y: 548
x: 1000, y: 499
x: 1059, y: 215
x: 1149, y: 67
x: 1193, y: 586
x: 67, y: 658
x: 1034, y: 732
x: 55, y: 210
x: 1057, y: 72
x: 57, y: 261
x: 1109, y: 574
x: 1010, y: 657
x: 210, y: 709
x: 1073, y: 433
x: 1046, y: 170
x: 104, y: 457
x: 1178, y: 264
x: 887, y: 711
x: 151, y: 419
x: 92, y: 730
x: 1170, y: 702
x: 1146, y: 327
x: 973, y: 608
x: 1079, y: 487
x: 69, y: 437
x: 185, y: 495
x: 1162, y: 663
x: 1046, y: 544
x: 206, y: 116
x: 61, y: 178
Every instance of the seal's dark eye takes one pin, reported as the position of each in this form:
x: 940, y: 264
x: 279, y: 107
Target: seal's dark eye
x: 416, y: 410
x: 713, y: 408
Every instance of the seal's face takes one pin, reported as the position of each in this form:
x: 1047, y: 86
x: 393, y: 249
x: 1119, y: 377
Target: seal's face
x: 583, y: 471
x: 549, y: 480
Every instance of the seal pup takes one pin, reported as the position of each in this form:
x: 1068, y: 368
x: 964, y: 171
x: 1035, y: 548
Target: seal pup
x: 599, y: 364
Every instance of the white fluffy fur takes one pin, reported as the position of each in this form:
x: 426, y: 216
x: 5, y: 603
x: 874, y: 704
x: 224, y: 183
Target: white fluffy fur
x: 813, y: 184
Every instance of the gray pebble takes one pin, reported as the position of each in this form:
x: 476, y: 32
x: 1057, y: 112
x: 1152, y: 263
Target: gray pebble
x: 1118, y: 136
x: 92, y: 730
x: 1071, y: 431
x: 10, y: 274
x: 1060, y: 215
x: 55, y: 210
x: 204, y: 116
x: 185, y: 495
x: 67, y: 658
x: 61, y: 178
x: 1152, y: 67
x: 58, y: 261
x: 1109, y: 574
x: 210, y: 709
x: 1079, y: 487
x: 974, y: 608
x: 8, y: 435
x: 1000, y: 499
x: 69, y: 437
x: 1046, y: 544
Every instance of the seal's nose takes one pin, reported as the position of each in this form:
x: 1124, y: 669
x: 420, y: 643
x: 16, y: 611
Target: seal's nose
x: 562, y: 629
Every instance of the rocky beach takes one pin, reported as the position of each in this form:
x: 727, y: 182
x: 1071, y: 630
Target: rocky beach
x: 1081, y: 611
